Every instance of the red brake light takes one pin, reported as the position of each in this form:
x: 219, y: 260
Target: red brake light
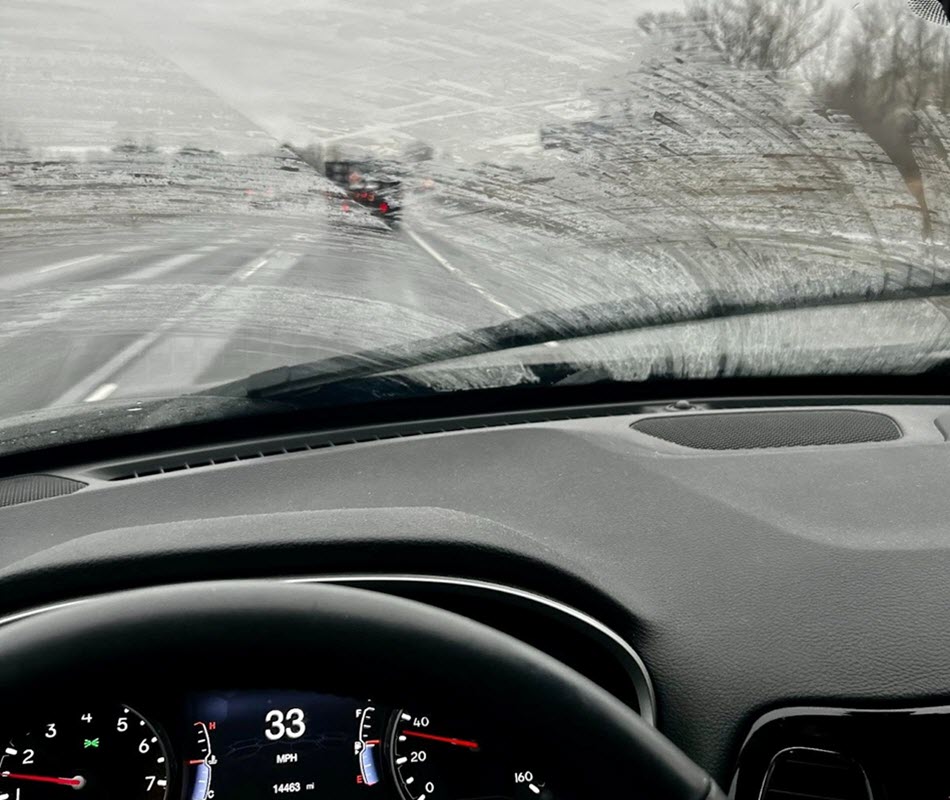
x: 383, y: 207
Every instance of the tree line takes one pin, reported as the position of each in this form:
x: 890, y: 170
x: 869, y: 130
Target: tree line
x: 875, y: 61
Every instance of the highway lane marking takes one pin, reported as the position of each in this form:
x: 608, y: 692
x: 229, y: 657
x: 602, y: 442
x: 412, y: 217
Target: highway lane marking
x: 254, y: 269
x: 101, y: 393
x: 276, y: 259
x: 146, y: 273
x: 439, y: 258
x: 193, y: 352
x: 164, y: 266
x: 453, y: 270
x: 106, y: 373
x: 70, y: 263
x: 120, y: 360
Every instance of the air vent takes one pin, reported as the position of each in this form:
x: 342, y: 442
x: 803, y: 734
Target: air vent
x: 804, y: 773
x: 29, y: 488
x: 225, y: 454
x: 196, y: 459
x: 759, y: 429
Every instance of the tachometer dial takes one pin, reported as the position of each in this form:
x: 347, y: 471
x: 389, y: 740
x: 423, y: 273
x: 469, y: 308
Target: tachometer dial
x: 102, y: 752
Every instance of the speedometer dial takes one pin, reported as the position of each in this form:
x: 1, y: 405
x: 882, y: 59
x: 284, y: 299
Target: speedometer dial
x: 442, y: 757
x: 106, y: 752
x: 434, y: 756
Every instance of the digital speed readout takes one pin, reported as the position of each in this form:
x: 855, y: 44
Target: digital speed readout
x: 248, y: 746
x: 257, y: 745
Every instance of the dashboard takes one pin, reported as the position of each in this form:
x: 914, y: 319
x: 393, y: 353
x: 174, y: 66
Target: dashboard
x: 778, y: 612
x: 252, y: 744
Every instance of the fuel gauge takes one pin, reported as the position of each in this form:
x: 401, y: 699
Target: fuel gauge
x: 367, y: 746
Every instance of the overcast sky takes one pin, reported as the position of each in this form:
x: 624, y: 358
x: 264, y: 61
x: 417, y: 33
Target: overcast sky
x: 475, y: 78
x: 458, y: 73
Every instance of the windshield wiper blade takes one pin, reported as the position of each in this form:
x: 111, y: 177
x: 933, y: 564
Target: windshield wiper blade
x: 595, y: 319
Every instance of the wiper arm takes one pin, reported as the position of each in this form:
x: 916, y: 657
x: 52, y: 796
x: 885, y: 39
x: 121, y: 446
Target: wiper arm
x: 594, y: 319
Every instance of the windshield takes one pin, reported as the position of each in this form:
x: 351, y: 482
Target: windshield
x: 195, y: 191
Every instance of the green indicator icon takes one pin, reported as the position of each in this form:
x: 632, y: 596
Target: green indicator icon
x: 87, y: 743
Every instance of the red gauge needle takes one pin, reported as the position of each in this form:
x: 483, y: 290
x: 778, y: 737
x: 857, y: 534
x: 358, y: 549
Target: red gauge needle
x: 77, y: 783
x: 446, y: 739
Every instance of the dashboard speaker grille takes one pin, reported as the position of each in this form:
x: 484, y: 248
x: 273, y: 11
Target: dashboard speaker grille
x: 930, y: 10
x: 802, y: 773
x: 27, y: 488
x: 758, y: 429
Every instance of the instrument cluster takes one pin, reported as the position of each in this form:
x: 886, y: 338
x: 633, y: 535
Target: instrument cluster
x: 252, y: 745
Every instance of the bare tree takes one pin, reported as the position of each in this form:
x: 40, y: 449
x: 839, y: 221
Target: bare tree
x: 774, y: 35
x: 888, y: 61
x: 886, y: 66
x: 879, y: 64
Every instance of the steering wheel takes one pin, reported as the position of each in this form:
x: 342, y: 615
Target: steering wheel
x: 338, y: 639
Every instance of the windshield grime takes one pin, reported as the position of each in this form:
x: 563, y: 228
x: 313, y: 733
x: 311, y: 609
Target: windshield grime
x: 196, y: 195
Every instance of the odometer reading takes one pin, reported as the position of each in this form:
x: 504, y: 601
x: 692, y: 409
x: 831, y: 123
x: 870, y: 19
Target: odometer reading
x: 104, y: 753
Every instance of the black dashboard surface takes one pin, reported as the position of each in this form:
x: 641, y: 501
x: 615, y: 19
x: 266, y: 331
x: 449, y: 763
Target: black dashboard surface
x: 746, y: 580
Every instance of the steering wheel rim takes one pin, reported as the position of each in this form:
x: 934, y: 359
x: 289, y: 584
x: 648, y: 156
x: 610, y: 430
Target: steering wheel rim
x: 342, y: 640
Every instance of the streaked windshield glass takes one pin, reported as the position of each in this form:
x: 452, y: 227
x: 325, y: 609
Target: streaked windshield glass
x: 195, y: 191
